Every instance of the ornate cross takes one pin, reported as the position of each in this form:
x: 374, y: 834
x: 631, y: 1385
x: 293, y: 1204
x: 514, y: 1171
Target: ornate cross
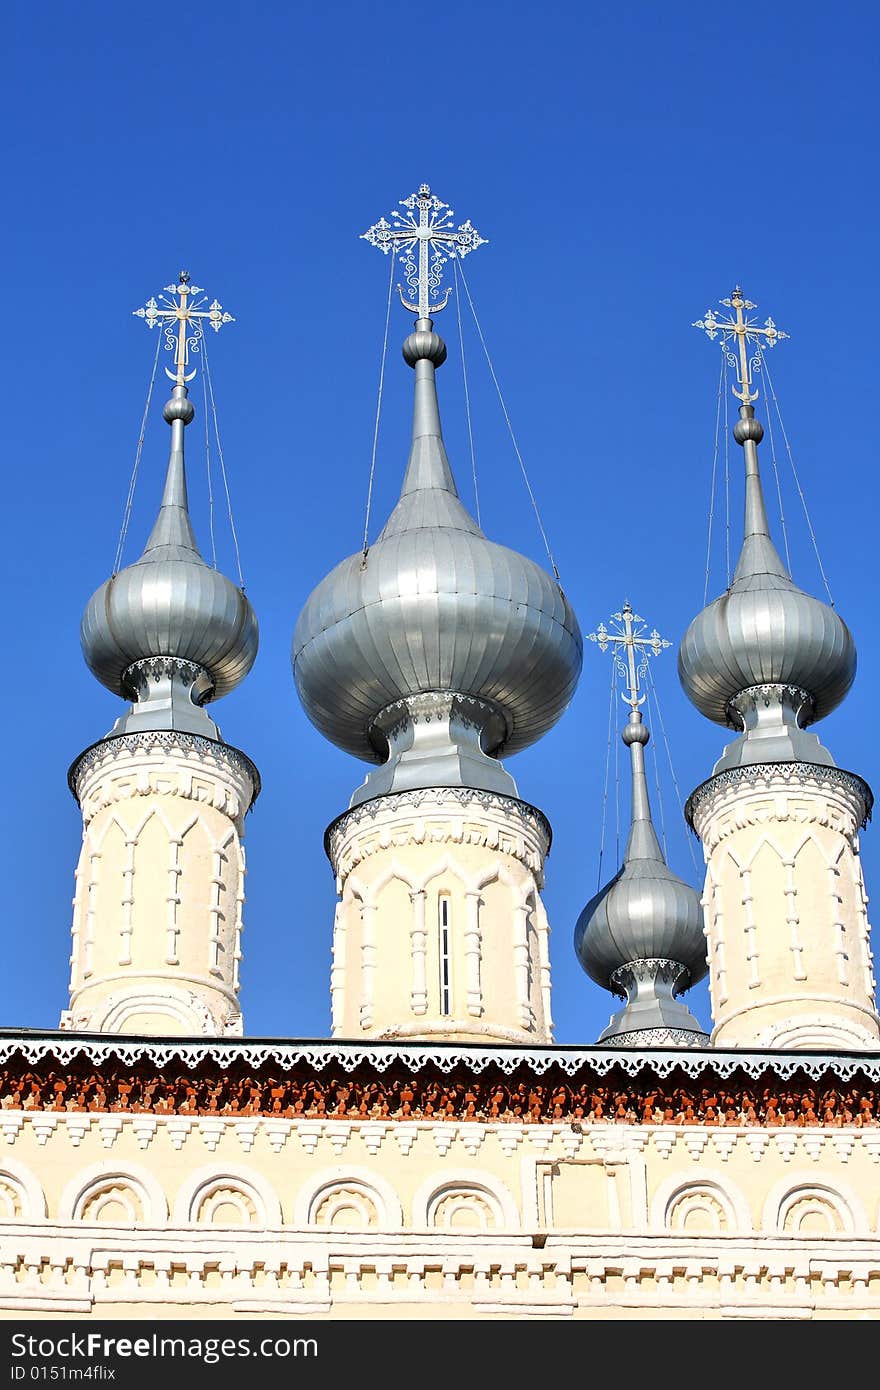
x: 747, y: 334
x: 183, y: 319
x: 628, y: 636
x: 427, y: 223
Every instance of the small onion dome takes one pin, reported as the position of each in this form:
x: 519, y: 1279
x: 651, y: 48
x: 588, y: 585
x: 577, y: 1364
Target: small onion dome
x: 170, y: 602
x: 434, y: 606
x: 646, y: 912
x: 764, y: 630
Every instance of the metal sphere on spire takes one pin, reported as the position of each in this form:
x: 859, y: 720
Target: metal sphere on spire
x: 433, y: 607
x: 641, y: 936
x: 169, y: 605
x: 764, y: 631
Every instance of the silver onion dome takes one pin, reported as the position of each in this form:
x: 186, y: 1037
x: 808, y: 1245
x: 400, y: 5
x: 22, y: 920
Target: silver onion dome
x: 764, y: 631
x: 170, y: 603
x: 434, y: 606
x: 641, y: 936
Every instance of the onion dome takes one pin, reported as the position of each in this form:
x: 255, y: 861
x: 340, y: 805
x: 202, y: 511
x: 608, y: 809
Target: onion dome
x: 169, y: 630
x: 641, y: 936
x: 434, y: 609
x: 765, y: 657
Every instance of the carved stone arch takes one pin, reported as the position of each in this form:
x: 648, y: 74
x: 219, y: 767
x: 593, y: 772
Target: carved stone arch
x: 763, y: 842
x: 97, y: 836
x: 395, y: 870
x: 810, y: 838
x: 717, y: 1191
x: 115, y: 1181
x: 521, y: 883
x: 154, y: 811
x: 817, y: 1031
x: 798, y: 1196
x: 486, y: 1194
x: 184, y: 1008
x: 351, y: 1185
x: 355, y: 888
x: 205, y: 1192
x: 21, y: 1193
x: 193, y: 821
x: 446, y: 865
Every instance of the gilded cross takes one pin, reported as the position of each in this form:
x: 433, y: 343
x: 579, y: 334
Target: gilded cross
x: 427, y: 225
x: 182, y: 313
x: 630, y: 648
x: 747, y: 333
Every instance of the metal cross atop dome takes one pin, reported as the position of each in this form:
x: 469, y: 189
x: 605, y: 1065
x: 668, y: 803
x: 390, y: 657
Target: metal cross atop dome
x: 748, y: 335
x: 628, y: 636
x: 183, y: 320
x: 427, y: 223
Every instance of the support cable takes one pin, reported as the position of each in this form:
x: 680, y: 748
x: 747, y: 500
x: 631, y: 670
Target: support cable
x: 714, y: 474
x: 655, y: 705
x: 467, y: 398
x: 208, y: 467
x: 778, y: 488
x: 132, y: 482
x: 366, y: 548
x: 726, y: 473
x: 516, y: 449
x: 605, y: 788
x: 204, y: 345
x: 798, y: 483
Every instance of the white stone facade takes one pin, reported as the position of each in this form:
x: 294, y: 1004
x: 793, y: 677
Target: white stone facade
x: 785, y: 908
x: 209, y: 1217
x: 440, y: 930
x: 157, y: 914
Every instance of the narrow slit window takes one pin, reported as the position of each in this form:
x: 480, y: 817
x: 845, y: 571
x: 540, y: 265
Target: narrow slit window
x: 445, y: 962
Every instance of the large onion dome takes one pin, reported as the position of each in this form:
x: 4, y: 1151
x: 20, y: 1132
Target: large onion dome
x: 434, y: 607
x: 641, y: 936
x: 170, y: 605
x: 764, y: 631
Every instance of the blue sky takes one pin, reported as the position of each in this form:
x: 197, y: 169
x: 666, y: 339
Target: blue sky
x: 627, y: 163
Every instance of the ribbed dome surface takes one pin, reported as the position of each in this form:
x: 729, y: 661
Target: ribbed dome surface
x: 764, y: 630
x: 170, y: 603
x: 436, y: 607
x: 645, y: 912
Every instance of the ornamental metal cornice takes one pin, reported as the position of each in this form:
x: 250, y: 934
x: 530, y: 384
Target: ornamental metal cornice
x: 321, y: 1056
x: 464, y: 796
x: 789, y: 772
x: 169, y: 740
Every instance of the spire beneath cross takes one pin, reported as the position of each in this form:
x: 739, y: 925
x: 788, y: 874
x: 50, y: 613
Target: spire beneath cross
x: 427, y: 225
x: 750, y: 337
x: 182, y: 313
x: 630, y: 648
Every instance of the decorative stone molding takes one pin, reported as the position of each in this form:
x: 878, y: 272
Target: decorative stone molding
x: 210, y: 1182
x: 192, y: 747
x: 841, y: 1200
x: 448, y: 805
x: 760, y: 776
x: 104, y: 1177
x: 474, y: 1182
x: 733, y: 1206
x: 376, y: 1189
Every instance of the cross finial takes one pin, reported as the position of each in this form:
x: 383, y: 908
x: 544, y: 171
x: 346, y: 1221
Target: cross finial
x: 750, y: 337
x: 427, y: 223
x: 182, y: 313
x: 630, y: 649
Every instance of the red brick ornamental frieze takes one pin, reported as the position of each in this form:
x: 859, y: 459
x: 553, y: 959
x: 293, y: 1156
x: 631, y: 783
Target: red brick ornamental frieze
x: 430, y: 1092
